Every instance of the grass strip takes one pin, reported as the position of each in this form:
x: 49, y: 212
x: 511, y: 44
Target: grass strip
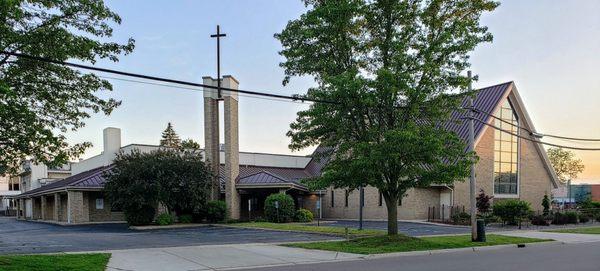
x: 587, y: 230
x: 403, y: 243
x: 308, y: 228
x: 55, y: 262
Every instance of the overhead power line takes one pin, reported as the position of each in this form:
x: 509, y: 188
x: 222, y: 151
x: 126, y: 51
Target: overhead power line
x: 270, y: 96
x: 167, y: 80
x: 536, y: 134
x: 535, y: 140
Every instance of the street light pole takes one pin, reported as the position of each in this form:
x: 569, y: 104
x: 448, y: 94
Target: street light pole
x: 472, y: 177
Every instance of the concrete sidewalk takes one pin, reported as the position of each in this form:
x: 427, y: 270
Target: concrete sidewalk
x: 568, y: 238
x: 218, y: 257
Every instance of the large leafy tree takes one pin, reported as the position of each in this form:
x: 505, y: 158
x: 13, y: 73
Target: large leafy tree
x: 565, y: 164
x: 180, y: 180
x: 392, y: 72
x: 40, y: 102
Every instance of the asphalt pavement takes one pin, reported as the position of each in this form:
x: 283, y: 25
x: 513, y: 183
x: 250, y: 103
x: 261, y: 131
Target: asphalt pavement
x: 536, y: 257
x: 18, y: 237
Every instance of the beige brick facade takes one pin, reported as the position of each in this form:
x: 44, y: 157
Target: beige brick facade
x: 232, y: 156
x: 414, y: 205
x: 105, y: 213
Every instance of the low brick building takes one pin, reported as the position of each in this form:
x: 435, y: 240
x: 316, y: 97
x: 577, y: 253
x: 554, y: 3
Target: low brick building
x: 76, y: 199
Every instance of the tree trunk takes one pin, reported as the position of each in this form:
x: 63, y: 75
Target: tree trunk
x: 392, y: 214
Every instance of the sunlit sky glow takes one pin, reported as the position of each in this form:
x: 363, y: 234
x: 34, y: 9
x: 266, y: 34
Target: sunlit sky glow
x: 551, y: 49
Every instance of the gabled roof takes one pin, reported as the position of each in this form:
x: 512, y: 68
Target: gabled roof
x: 91, y: 179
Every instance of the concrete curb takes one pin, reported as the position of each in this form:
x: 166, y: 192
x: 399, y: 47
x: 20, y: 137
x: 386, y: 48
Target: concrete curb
x: 441, y: 251
x: 168, y: 227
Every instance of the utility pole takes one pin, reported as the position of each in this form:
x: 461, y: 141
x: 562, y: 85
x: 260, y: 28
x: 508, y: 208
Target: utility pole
x: 472, y: 149
x: 360, y: 208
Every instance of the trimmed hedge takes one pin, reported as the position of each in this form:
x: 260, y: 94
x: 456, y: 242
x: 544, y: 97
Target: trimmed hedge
x: 512, y: 211
x: 279, y: 208
x: 304, y: 215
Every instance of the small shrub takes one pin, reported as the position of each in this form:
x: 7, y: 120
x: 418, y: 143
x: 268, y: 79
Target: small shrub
x: 304, y: 215
x: 483, y: 202
x: 186, y: 219
x: 462, y: 218
x: 141, y: 216
x: 512, y: 211
x: 259, y: 219
x: 583, y: 218
x: 216, y: 211
x: 597, y: 217
x: 286, y: 210
x: 165, y: 219
x: 559, y: 219
x: 571, y: 217
x: 539, y: 220
x: 546, y: 205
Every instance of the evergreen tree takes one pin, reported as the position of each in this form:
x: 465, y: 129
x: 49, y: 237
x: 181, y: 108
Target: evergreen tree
x: 170, y: 138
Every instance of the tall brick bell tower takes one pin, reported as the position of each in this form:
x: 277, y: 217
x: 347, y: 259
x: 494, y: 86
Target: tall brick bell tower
x: 231, y: 147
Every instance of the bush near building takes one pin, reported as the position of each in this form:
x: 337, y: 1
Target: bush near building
x: 216, y: 211
x: 139, y: 182
x: 279, y: 208
x: 512, y: 211
x: 304, y: 215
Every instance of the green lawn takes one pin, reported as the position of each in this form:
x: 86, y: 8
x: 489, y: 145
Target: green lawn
x: 59, y: 262
x: 307, y: 228
x: 402, y: 243
x: 588, y: 230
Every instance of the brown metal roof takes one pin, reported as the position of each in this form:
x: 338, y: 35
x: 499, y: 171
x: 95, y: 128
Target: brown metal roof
x: 93, y: 178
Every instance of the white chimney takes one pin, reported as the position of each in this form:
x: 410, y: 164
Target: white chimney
x: 112, y: 140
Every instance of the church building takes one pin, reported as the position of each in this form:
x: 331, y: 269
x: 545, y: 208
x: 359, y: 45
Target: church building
x: 509, y: 168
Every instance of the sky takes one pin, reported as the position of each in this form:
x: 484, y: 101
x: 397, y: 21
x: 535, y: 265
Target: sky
x: 549, y: 48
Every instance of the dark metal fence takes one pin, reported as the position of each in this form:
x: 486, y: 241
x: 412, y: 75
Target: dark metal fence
x: 443, y: 213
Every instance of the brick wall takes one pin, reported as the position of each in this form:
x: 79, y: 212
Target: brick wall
x: 414, y: 204
x: 104, y: 214
x: 534, y: 180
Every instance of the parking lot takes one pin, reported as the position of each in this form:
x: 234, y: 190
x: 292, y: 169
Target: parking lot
x: 30, y: 237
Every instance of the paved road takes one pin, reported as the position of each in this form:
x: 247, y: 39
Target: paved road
x: 30, y: 237
x: 545, y: 257
x: 408, y: 228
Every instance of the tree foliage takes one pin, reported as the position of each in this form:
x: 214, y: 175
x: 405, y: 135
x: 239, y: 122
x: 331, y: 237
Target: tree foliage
x: 40, y: 102
x: 565, y: 164
x: 190, y: 144
x: 178, y: 180
x: 393, y: 69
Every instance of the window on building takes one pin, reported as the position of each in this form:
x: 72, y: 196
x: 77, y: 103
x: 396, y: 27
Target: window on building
x: 13, y: 184
x: 346, y: 198
x: 506, y: 151
x: 380, y: 199
x: 99, y: 203
x: 332, y: 198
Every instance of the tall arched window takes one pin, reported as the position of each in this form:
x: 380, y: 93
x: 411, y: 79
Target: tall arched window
x: 506, y: 152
